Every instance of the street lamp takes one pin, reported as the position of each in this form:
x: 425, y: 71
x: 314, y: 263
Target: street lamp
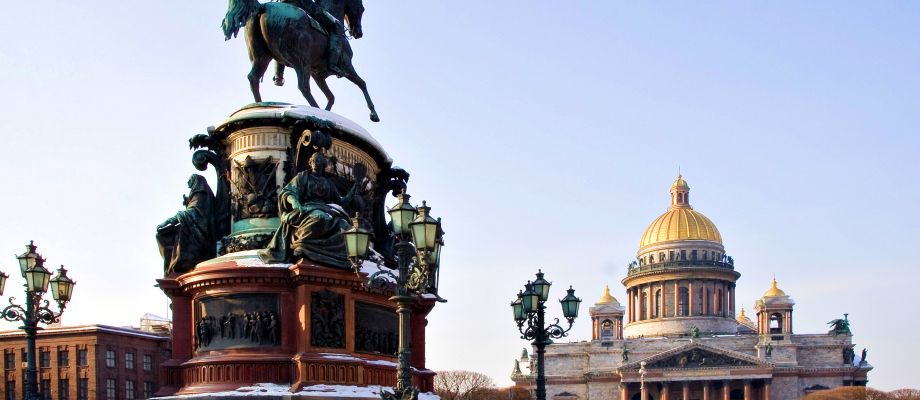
x: 419, y: 239
x: 529, y: 308
x: 36, y: 310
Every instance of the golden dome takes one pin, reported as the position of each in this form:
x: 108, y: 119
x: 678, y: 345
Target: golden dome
x: 743, y: 318
x: 680, y: 222
x: 774, y: 291
x: 607, y: 298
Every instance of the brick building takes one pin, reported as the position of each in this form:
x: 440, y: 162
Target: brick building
x: 85, y: 362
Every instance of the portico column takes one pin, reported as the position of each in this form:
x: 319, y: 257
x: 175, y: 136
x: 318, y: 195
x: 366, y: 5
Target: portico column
x: 663, y: 393
x: 690, y: 298
x: 624, y: 391
x: 726, y: 388
x: 643, y: 390
x: 747, y: 390
x: 686, y: 391
x: 766, y: 390
x: 676, y: 296
x: 705, y: 390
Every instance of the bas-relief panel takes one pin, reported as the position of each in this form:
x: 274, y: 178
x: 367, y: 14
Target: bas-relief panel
x: 237, y: 321
x: 376, y: 329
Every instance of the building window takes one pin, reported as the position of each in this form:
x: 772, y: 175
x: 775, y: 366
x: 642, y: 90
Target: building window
x: 63, y: 358
x: 46, y: 389
x: 110, y: 358
x: 683, y: 299
x: 148, y: 389
x: 129, y: 360
x: 720, y: 303
x: 63, y: 389
x: 9, y: 360
x: 83, y: 388
x: 657, y: 309
x: 776, y: 323
x: 693, y: 254
x: 683, y: 254
x: 11, y: 390
x: 148, y: 362
x: 81, y: 358
x: 44, y: 359
x: 110, y: 389
x: 129, y: 390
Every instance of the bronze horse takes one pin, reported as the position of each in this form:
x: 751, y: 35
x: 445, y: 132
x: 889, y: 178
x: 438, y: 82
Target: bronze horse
x: 287, y: 34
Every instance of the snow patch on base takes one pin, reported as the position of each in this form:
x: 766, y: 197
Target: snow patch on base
x: 269, y: 389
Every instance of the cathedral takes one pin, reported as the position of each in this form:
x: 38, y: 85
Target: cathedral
x: 676, y: 335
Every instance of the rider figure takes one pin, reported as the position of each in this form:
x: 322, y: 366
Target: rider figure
x: 316, y: 9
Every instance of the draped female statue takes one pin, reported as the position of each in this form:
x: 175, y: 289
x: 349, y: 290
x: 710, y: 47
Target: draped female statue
x: 313, y: 219
x: 187, y: 238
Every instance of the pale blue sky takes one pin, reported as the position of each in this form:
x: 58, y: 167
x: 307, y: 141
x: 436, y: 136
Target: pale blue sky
x: 546, y: 134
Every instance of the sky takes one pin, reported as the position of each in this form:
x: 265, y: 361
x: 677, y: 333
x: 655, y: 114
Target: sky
x: 545, y: 134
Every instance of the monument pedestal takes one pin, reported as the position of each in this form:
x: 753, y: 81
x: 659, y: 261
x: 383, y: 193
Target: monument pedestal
x: 239, y: 322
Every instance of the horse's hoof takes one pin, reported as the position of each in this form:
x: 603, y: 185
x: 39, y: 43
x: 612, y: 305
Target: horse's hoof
x: 374, y: 117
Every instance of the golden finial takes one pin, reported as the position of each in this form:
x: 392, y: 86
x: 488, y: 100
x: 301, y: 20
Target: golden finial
x: 606, y: 298
x: 774, y: 290
x: 742, y: 313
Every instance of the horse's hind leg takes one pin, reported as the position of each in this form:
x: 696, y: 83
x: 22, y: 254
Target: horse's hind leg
x: 278, y: 79
x: 303, y: 83
x: 259, y: 66
x: 354, y: 78
x: 321, y: 83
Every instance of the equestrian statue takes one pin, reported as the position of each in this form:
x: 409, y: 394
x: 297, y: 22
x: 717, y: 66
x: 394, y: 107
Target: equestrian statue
x: 307, y: 36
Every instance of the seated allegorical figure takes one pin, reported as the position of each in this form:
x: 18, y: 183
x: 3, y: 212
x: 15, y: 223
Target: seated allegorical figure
x: 187, y: 238
x: 312, y: 219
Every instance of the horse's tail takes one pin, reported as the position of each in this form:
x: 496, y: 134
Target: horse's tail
x: 238, y: 13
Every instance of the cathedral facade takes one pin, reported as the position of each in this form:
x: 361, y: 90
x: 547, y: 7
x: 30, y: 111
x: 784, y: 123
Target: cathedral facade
x: 676, y: 335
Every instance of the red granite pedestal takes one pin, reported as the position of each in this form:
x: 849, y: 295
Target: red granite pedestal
x: 291, y: 358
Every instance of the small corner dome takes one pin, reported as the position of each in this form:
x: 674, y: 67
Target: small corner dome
x: 606, y: 298
x: 774, y: 291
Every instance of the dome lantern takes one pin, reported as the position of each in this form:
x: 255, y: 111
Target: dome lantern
x: 680, y: 193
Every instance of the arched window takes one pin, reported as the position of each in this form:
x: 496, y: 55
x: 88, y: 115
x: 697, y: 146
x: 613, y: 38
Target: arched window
x: 658, y: 303
x: 776, y: 323
x: 643, y: 306
x: 680, y: 197
x: 683, y: 299
x: 607, y: 329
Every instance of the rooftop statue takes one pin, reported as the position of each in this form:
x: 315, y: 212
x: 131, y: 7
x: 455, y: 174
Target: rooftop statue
x: 305, y: 35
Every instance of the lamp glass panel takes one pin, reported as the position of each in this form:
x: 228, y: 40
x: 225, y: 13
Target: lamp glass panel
x: 527, y: 301
x: 518, y: 310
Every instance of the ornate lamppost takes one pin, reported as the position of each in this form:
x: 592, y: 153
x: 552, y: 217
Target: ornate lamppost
x: 530, y: 308
x: 37, y: 277
x: 419, y: 238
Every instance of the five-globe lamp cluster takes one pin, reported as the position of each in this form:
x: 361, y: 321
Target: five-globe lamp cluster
x: 35, y: 310
x: 38, y: 278
x: 409, y: 223
x: 529, y: 308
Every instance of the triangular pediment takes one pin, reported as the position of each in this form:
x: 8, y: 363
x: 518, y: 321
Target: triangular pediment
x: 696, y: 355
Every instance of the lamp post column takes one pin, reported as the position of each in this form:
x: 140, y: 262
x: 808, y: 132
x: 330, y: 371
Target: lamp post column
x: 403, y: 302
x: 30, y: 326
x: 540, y: 342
